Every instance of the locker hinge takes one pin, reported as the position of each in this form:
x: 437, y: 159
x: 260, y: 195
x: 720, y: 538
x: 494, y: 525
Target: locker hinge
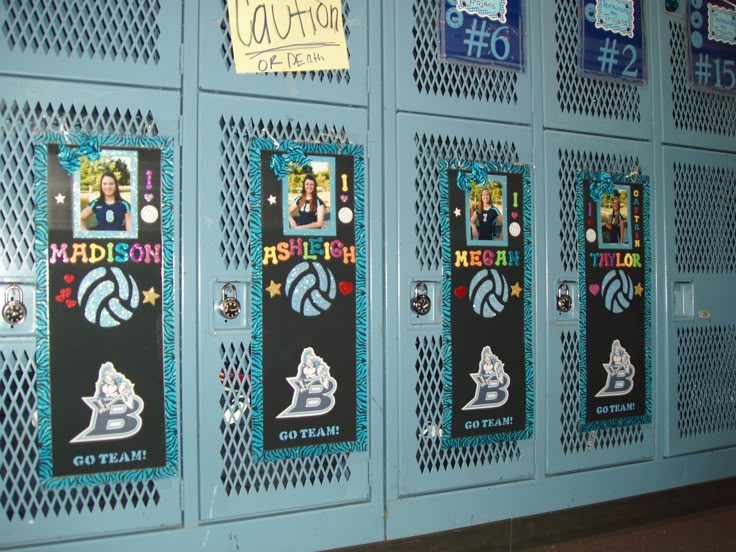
x: 181, y: 496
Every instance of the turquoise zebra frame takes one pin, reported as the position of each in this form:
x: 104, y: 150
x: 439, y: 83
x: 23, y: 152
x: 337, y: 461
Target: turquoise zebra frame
x: 606, y: 183
x: 283, y: 156
x: 479, y: 173
x: 72, y: 147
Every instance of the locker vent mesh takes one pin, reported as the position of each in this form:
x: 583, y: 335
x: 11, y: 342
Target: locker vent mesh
x: 338, y: 77
x: 21, y: 494
x: 85, y: 29
x: 705, y: 238
x: 695, y: 110
x: 574, y: 441
x: 457, y: 80
x: 239, y: 474
x: 234, y: 147
x: 429, y: 150
x: 430, y: 455
x: 572, y: 161
x: 706, y: 380
x: 582, y: 95
x: 20, y: 121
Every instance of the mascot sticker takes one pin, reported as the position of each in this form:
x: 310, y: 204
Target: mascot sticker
x: 309, y: 299
x: 615, y: 302
x: 486, y: 302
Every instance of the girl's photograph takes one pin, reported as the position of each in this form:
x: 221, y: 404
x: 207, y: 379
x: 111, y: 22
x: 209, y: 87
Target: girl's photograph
x: 309, y: 199
x: 106, y: 195
x: 485, y: 211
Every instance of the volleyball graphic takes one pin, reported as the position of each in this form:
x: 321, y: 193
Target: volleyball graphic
x: 617, y: 291
x: 310, y: 288
x: 108, y: 296
x: 488, y: 293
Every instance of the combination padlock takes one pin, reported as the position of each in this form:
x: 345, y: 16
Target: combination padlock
x: 14, y: 311
x: 229, y: 306
x: 564, y: 300
x: 421, y: 303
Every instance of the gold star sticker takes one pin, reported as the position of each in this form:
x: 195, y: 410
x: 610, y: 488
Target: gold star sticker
x: 274, y: 289
x: 639, y: 289
x: 150, y: 296
x: 516, y: 290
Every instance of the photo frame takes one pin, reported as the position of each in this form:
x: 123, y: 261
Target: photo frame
x: 614, y: 224
x: 123, y: 166
x: 322, y: 169
x: 486, y: 222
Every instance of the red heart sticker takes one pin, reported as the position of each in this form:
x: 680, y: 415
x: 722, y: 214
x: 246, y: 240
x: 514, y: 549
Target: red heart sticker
x: 590, y: 222
x: 66, y: 292
x: 60, y: 298
x: 68, y: 278
x: 346, y: 287
x: 461, y: 292
x: 71, y: 303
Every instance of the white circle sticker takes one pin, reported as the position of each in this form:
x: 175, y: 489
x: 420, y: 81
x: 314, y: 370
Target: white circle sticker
x: 149, y: 214
x: 514, y: 229
x: 345, y: 215
x: 590, y: 235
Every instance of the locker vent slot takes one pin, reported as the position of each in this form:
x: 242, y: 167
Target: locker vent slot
x: 85, y: 29
x: 695, y: 110
x: 235, y: 177
x: 706, y: 380
x: 572, y: 161
x: 574, y: 441
x: 705, y: 235
x: 429, y: 150
x: 430, y: 455
x: 240, y: 474
x: 582, y: 95
x: 437, y: 78
x: 337, y: 77
x: 22, y: 497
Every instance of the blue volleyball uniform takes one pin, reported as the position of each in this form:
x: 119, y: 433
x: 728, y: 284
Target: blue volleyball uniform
x: 616, y: 236
x: 307, y: 215
x: 110, y: 216
x: 487, y: 227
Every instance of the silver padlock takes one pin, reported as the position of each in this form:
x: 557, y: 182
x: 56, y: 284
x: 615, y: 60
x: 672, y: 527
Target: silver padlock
x: 14, y: 311
x: 564, y: 300
x: 229, y: 306
x: 421, y: 303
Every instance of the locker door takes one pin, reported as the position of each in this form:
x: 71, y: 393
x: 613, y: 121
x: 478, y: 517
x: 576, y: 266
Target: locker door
x: 700, y: 188
x: 33, y: 513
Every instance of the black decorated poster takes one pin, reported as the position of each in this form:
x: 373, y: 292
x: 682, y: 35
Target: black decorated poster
x: 308, y: 300
x: 615, y: 300
x: 486, y: 302
x: 106, y: 391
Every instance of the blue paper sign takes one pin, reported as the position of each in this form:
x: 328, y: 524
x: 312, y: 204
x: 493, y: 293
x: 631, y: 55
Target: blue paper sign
x: 612, y: 40
x: 488, y: 33
x: 712, y: 32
